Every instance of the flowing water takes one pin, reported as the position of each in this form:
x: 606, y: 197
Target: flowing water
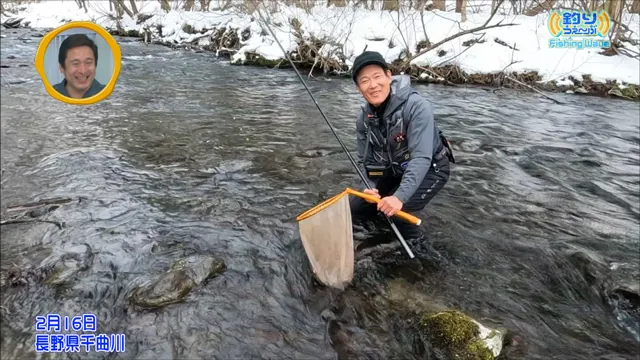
x: 537, y: 228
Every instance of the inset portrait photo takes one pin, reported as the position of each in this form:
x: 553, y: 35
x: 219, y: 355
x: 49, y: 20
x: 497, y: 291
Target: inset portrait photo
x: 79, y: 63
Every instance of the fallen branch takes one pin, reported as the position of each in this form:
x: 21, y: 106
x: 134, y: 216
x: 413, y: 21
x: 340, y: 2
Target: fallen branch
x: 504, y: 43
x: 436, y: 75
x: 503, y: 72
x: 37, y: 204
x: 22, y: 221
x: 278, y: 64
x: 312, y: 67
x: 462, y: 52
x: 484, y: 26
x: 630, y: 53
x: 534, y: 89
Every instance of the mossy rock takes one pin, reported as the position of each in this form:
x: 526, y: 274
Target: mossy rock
x: 631, y: 91
x: 458, y: 336
x: 169, y: 289
x: 177, y: 282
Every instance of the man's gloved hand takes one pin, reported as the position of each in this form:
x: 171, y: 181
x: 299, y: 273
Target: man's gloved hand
x: 372, y: 192
x: 390, y: 205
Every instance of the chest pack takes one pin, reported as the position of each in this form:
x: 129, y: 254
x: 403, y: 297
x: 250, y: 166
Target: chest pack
x: 387, y: 141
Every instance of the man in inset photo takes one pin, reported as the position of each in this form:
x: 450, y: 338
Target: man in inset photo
x: 78, y: 59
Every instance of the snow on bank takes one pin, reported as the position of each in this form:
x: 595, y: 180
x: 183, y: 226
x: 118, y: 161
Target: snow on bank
x: 355, y: 28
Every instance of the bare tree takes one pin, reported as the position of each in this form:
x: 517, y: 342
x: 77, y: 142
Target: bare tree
x: 391, y: 5
x: 120, y: 4
x: 204, y: 5
x: 615, y: 9
x: 134, y: 8
x: 439, y: 5
x: 540, y: 7
x: 337, y: 3
x: 82, y: 5
x: 484, y: 26
x: 427, y: 42
x: 118, y: 9
x: 249, y: 6
x: 188, y: 5
x: 461, y: 7
x: 165, y: 5
x: 594, y: 5
x: 420, y: 4
x: 494, y: 4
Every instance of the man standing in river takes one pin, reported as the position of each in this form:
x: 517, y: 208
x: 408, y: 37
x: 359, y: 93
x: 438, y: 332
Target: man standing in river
x: 77, y: 59
x: 401, y: 151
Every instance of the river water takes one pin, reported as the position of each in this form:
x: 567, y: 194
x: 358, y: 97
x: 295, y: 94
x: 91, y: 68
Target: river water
x: 536, y: 229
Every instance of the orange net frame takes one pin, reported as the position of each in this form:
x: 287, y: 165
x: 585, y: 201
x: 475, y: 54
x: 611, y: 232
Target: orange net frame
x: 327, y: 236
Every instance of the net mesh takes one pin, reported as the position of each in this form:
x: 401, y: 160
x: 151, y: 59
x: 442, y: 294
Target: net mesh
x: 327, y: 237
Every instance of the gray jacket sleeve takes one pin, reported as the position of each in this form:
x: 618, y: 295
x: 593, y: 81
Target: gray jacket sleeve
x: 420, y: 137
x: 361, y: 138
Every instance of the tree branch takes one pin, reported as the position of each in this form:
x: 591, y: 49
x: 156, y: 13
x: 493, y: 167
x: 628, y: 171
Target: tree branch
x: 484, y: 26
x: 461, y: 52
x: 432, y: 72
x: 23, y: 221
x: 533, y: 89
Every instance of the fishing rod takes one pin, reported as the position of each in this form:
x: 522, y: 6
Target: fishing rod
x: 353, y: 162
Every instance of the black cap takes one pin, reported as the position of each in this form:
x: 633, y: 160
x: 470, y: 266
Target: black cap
x: 367, y: 58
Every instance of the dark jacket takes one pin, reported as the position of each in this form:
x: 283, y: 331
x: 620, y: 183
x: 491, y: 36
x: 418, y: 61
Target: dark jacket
x: 412, y: 138
x: 94, y: 89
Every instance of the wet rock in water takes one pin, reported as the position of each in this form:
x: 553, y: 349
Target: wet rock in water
x: 625, y: 300
x: 615, y: 282
x: 458, y: 336
x: 631, y: 292
x: 79, y: 258
x: 172, y: 286
x: 590, y: 265
x: 402, y: 294
x: 316, y: 153
x: 450, y: 332
x: 169, y: 289
x: 166, y: 247
x: 17, y: 276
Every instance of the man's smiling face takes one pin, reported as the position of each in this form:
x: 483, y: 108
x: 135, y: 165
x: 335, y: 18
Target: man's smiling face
x: 374, y: 83
x: 79, y: 69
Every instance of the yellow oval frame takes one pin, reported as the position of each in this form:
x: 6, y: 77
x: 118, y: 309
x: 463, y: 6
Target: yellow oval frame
x: 115, y: 50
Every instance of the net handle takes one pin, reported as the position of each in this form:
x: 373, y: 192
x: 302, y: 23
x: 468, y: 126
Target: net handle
x: 401, y: 214
x: 323, y: 205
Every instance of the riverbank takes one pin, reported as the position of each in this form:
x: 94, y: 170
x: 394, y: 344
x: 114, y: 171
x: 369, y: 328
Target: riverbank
x: 326, y: 40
